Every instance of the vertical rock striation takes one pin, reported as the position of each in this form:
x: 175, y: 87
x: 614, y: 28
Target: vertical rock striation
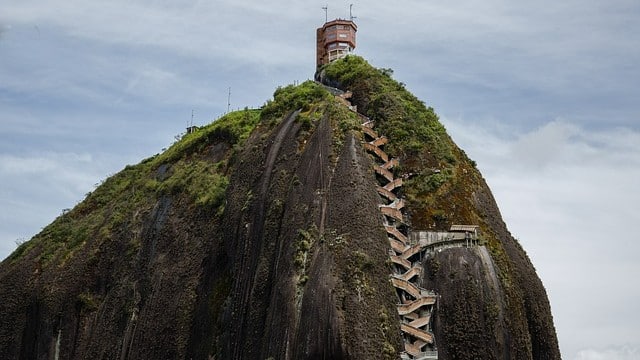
x: 260, y: 236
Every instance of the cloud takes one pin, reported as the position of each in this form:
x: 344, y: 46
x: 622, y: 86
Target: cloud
x: 524, y: 62
x: 496, y: 58
x: 4, y: 29
x: 37, y: 186
x: 542, y: 95
x: 556, y: 145
x: 560, y: 143
x: 567, y: 192
x: 202, y: 29
x: 62, y: 174
x: 625, y: 352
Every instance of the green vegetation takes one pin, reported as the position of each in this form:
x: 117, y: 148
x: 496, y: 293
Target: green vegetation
x: 438, y: 176
x: 416, y: 134
x: 123, y: 202
x: 200, y: 180
x: 398, y: 113
x: 233, y: 128
x: 306, y: 239
x: 442, y: 186
x: 434, y: 266
x: 388, y: 351
x: 359, y: 267
x: 188, y: 183
x: 87, y: 302
x: 314, y: 102
x: 345, y: 120
x: 302, y: 97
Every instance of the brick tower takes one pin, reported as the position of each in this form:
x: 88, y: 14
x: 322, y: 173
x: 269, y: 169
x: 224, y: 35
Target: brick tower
x: 335, y: 39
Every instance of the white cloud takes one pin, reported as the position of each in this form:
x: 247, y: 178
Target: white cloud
x: 527, y: 62
x: 37, y: 186
x: 11, y: 165
x: 4, y: 29
x: 88, y: 86
x: 625, y: 352
x: 568, y: 193
x: 54, y: 176
x: 202, y: 29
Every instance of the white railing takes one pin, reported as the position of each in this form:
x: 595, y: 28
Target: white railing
x: 427, y: 355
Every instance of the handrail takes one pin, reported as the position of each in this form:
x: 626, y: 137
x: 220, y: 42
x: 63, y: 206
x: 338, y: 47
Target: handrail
x: 400, y: 261
x: 379, y: 141
x: 393, y: 184
x: 427, y: 355
x: 418, y: 333
x: 411, y: 251
x: 404, y: 309
x: 420, y: 322
x: 391, y: 163
x: 411, y: 288
x: 383, y: 172
x: 391, y: 212
x: 396, y: 233
x: 369, y: 131
x: 381, y: 154
x: 368, y: 123
x: 411, y: 273
x: 386, y: 193
x: 414, y: 323
x: 397, y: 245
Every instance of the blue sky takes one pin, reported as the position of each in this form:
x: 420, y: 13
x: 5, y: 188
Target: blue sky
x: 544, y: 96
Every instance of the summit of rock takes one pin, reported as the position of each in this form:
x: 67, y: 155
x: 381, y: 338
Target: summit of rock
x: 261, y: 236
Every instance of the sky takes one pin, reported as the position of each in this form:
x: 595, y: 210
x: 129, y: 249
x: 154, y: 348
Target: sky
x: 543, y: 95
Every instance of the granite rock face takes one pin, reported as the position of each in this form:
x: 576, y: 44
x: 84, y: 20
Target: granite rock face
x: 260, y: 236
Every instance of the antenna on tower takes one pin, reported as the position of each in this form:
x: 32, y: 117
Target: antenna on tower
x: 326, y: 13
x: 351, y: 17
x: 190, y: 125
x: 229, y: 99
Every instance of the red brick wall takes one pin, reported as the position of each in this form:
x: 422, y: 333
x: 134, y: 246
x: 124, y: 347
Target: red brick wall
x: 331, y: 35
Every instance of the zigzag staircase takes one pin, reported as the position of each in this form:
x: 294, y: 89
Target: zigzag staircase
x: 416, y: 304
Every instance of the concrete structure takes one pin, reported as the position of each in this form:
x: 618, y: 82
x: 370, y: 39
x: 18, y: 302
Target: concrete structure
x: 457, y: 236
x: 192, y: 129
x: 334, y: 40
x: 416, y: 304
